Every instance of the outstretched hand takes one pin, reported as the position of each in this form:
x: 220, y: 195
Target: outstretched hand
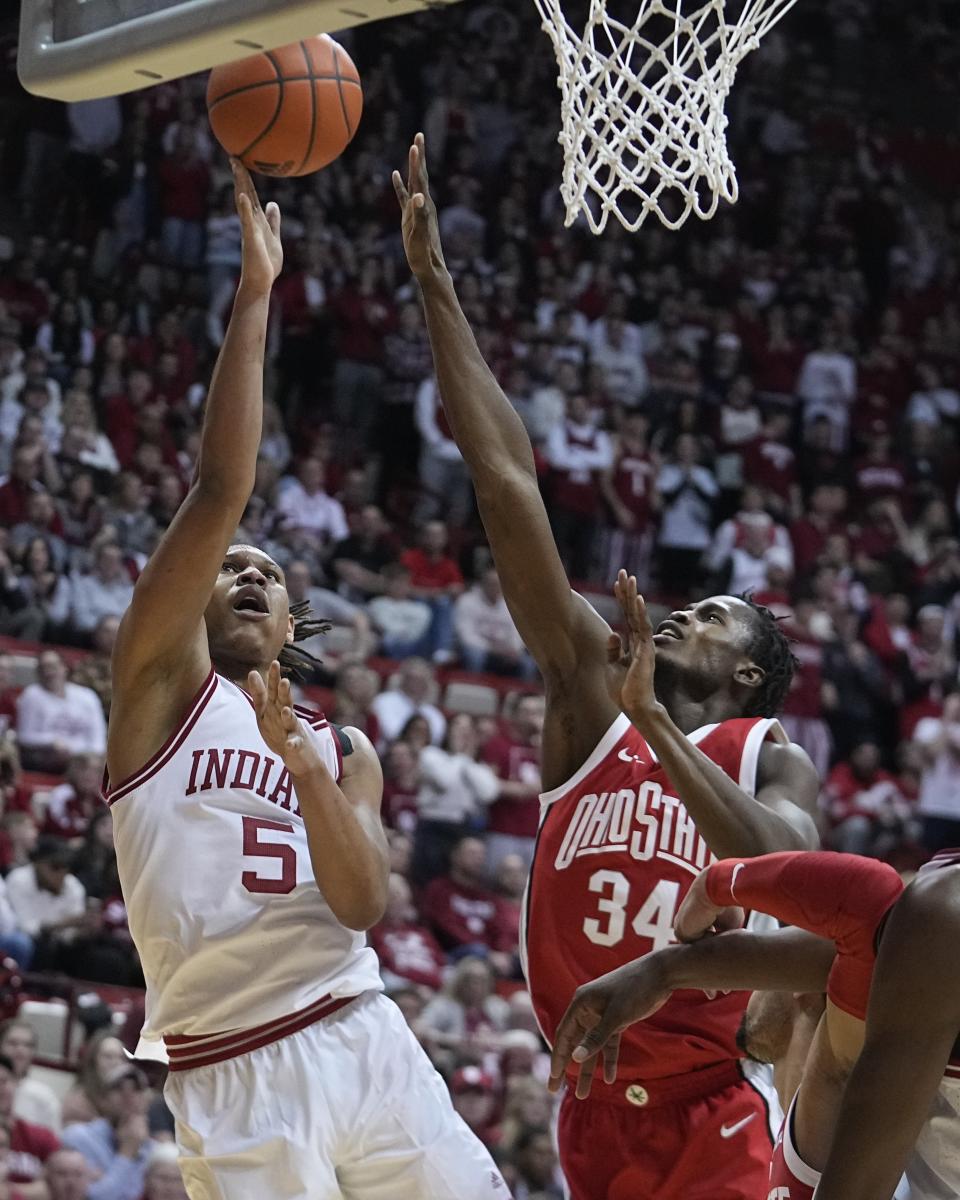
x: 598, y: 1014
x: 262, y: 251
x: 280, y: 726
x: 421, y: 233
x: 634, y: 690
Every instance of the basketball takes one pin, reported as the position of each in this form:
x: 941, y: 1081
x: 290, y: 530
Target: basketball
x: 289, y: 111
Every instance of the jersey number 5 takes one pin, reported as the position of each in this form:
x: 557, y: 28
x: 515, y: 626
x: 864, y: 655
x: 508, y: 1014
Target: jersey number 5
x: 256, y: 847
x: 654, y: 918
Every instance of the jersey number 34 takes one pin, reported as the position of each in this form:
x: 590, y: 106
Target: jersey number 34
x: 653, y: 919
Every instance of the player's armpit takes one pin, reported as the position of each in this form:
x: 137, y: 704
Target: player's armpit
x: 912, y: 1023
x: 788, y: 784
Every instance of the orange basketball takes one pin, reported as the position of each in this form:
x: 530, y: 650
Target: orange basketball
x: 288, y: 111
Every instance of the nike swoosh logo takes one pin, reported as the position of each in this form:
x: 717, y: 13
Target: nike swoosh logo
x: 727, y: 1131
x: 627, y: 757
x: 733, y: 880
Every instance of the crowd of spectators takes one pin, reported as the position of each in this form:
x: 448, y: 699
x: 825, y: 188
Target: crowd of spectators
x: 768, y: 403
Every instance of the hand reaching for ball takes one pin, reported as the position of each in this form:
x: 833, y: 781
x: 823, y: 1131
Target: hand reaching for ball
x: 262, y: 251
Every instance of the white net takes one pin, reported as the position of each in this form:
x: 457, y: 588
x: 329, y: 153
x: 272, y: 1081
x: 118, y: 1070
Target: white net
x: 642, y: 104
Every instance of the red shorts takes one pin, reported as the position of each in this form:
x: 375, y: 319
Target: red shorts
x: 703, y: 1136
x: 790, y: 1177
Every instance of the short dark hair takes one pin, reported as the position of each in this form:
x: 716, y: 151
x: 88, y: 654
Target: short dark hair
x: 769, y: 648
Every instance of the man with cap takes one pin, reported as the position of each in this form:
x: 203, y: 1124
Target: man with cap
x: 117, y: 1146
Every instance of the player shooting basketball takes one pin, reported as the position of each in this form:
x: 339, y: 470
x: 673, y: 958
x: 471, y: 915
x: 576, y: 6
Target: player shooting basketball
x: 875, y: 1100
x: 252, y: 856
x: 652, y: 760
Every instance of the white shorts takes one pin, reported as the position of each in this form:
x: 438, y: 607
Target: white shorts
x: 933, y: 1172
x: 348, y: 1109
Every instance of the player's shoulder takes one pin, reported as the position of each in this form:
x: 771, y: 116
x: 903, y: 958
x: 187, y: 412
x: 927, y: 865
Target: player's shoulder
x: 934, y: 895
x: 781, y: 758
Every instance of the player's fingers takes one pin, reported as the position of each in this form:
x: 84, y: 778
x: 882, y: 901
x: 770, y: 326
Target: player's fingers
x: 258, y: 692
x: 284, y: 694
x: 399, y: 187
x: 413, y: 169
x: 585, y: 1078
x: 643, y: 617
x: 729, y: 918
x: 421, y: 144
x: 288, y: 718
x: 273, y: 683
x: 273, y: 217
x: 611, y: 1054
x: 570, y: 1033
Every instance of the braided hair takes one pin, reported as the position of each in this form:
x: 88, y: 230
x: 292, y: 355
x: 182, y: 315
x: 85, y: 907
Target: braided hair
x: 294, y: 660
x: 770, y: 649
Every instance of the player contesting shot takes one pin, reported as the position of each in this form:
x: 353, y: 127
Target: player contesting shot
x: 654, y: 757
x: 252, y: 856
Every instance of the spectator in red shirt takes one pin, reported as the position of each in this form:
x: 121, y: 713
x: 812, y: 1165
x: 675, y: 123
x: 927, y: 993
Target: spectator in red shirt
x: 878, y: 475
x: 24, y: 299
x: 363, y: 312
x: 436, y: 578
x: 72, y: 804
x: 514, y: 755
x: 866, y: 809
x: 30, y: 1145
x: 770, y: 463
x: 401, y: 784
x: 467, y: 918
x: 629, y: 488
x: 407, y: 950
x: 12, y: 1193
x: 823, y: 517
x: 20, y: 484
x: 184, y: 199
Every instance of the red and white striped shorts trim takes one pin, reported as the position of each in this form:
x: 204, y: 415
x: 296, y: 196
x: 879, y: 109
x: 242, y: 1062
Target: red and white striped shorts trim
x: 186, y: 1053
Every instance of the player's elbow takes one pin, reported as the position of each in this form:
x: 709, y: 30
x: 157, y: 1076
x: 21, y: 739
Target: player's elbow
x: 362, y: 908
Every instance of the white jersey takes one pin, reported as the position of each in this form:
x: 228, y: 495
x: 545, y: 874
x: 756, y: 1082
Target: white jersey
x: 225, y: 912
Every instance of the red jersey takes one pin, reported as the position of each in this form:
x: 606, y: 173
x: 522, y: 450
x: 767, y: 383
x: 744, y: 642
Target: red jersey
x: 410, y: 951
x: 633, y: 477
x: 30, y: 1147
x: 519, y: 763
x: 616, y: 853
x: 426, y: 572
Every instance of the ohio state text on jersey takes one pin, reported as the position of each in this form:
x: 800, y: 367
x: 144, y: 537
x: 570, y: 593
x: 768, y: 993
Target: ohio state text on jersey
x: 615, y: 855
x: 231, y: 927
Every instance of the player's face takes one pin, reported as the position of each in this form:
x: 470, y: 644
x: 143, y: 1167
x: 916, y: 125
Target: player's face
x: 708, y: 638
x: 248, y: 617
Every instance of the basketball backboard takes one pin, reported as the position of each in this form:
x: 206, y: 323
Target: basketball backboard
x: 84, y: 49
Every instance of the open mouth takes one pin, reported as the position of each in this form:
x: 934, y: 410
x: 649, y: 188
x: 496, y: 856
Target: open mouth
x: 669, y: 629
x: 251, y: 601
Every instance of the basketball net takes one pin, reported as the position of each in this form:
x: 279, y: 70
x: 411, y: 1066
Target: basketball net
x: 642, y: 105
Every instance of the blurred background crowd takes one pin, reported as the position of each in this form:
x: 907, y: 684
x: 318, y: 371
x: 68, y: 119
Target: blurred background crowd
x: 766, y: 403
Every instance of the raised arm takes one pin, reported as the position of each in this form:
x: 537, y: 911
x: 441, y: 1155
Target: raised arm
x: 162, y: 642
x: 912, y: 1023
x: 561, y: 631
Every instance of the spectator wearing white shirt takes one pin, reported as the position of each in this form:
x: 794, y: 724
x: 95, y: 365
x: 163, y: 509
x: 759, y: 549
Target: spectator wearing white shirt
x: 932, y: 403
x: 939, y: 806
x: 13, y: 939
x: 105, y: 592
x: 56, y: 718
x: 577, y: 451
x: 486, y: 635
x: 687, y: 491
x: 409, y: 697
x: 616, y: 346
x: 827, y: 386
x: 454, y: 793
x: 402, y: 621
x: 310, y: 515
x: 34, y: 1101
x: 443, y: 473
x: 49, y: 903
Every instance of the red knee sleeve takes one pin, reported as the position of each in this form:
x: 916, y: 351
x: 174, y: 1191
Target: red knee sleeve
x: 842, y: 897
